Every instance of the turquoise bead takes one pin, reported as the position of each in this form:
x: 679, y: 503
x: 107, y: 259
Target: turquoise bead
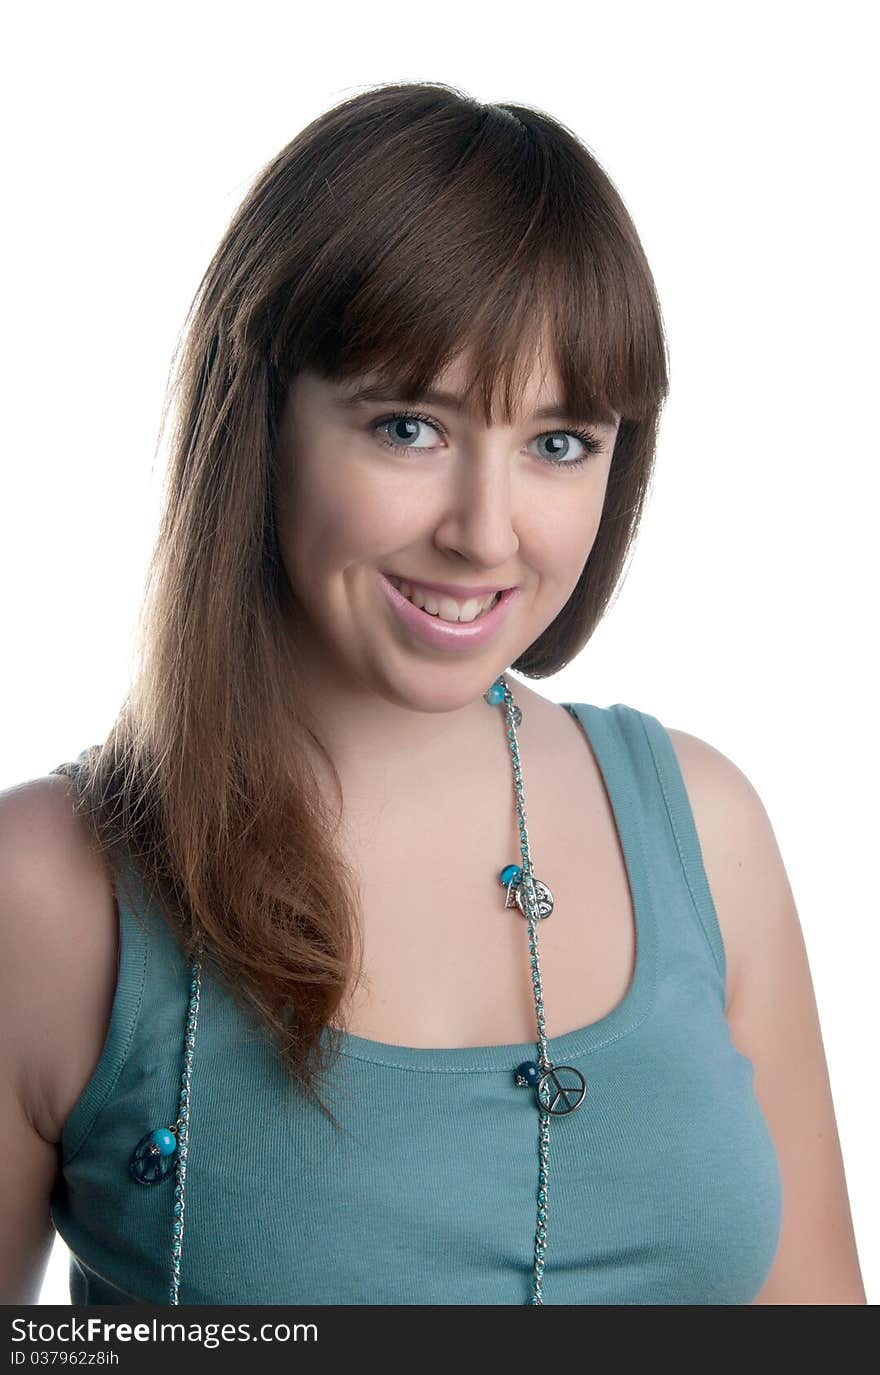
x: 495, y: 694
x: 165, y: 1140
x: 509, y: 873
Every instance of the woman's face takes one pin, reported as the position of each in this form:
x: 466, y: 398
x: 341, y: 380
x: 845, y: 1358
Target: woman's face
x: 457, y: 502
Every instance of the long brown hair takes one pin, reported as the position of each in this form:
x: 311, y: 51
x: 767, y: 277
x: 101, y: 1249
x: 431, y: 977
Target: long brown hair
x: 398, y: 228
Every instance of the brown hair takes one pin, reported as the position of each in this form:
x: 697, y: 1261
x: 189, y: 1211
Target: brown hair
x: 398, y: 228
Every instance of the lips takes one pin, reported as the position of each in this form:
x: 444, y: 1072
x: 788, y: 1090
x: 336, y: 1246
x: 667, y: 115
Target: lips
x: 438, y: 603
x: 450, y: 635
x: 458, y: 591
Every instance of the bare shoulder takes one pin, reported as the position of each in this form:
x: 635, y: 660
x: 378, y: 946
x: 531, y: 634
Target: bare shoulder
x: 774, y: 1022
x: 59, y: 935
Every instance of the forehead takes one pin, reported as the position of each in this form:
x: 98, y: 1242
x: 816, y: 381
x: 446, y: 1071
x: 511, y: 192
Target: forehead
x: 540, y: 395
x: 538, y: 376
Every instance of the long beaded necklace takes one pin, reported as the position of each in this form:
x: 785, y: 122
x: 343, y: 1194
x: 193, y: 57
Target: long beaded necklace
x: 559, y: 1089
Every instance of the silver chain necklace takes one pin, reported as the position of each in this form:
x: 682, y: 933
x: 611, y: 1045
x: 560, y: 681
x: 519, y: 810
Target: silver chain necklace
x: 559, y: 1089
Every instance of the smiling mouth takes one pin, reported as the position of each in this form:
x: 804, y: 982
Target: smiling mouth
x: 438, y: 604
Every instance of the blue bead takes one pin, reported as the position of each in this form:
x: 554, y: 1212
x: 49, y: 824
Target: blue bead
x: 495, y: 694
x: 165, y: 1140
x: 509, y: 873
x: 528, y: 1071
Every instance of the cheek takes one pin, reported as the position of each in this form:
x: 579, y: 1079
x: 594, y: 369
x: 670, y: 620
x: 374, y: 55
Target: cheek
x: 332, y: 514
x: 559, y: 547
x: 564, y: 537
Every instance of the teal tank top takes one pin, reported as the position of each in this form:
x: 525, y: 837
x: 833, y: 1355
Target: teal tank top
x: 664, y: 1186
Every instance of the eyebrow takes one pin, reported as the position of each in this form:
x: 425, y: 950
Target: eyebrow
x: 453, y: 401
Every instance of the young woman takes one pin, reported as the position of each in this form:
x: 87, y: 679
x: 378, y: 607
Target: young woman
x: 348, y: 968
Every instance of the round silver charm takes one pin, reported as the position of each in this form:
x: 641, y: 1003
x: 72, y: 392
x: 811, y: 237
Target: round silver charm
x: 153, y: 1158
x: 557, y: 1096
x: 543, y: 897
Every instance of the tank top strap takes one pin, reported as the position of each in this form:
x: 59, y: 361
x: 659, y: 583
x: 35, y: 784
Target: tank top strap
x: 643, y: 778
x: 148, y: 1011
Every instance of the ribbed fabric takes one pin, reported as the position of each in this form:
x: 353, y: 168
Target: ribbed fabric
x: 664, y: 1187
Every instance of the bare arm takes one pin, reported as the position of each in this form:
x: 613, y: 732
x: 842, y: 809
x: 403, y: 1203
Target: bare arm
x: 57, y: 979
x: 29, y: 1168
x: 773, y: 1020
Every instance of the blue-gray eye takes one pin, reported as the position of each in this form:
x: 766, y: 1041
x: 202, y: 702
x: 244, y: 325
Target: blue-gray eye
x: 410, y: 420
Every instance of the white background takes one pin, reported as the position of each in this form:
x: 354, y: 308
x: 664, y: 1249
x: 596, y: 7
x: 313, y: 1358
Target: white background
x: 739, y: 137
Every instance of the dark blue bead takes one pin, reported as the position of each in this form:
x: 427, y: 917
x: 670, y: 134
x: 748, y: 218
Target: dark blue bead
x: 528, y: 1072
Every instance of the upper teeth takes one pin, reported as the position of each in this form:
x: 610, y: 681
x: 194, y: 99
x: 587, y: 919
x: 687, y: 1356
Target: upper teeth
x: 438, y: 604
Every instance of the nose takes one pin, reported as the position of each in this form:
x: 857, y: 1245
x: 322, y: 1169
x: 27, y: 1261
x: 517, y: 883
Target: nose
x: 477, y: 518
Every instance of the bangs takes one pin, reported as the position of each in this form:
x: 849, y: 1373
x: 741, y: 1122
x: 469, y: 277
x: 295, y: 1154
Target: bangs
x: 499, y: 239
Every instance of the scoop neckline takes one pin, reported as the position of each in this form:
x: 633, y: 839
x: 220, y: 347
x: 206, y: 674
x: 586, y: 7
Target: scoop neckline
x: 637, y: 1001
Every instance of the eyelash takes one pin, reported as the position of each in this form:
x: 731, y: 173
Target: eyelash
x: 590, y: 442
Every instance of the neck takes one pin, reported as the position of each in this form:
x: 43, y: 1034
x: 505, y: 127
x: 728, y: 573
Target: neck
x: 383, y: 727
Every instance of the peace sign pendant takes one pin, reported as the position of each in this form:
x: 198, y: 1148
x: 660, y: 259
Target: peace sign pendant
x: 153, y: 1157
x: 561, y: 1088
